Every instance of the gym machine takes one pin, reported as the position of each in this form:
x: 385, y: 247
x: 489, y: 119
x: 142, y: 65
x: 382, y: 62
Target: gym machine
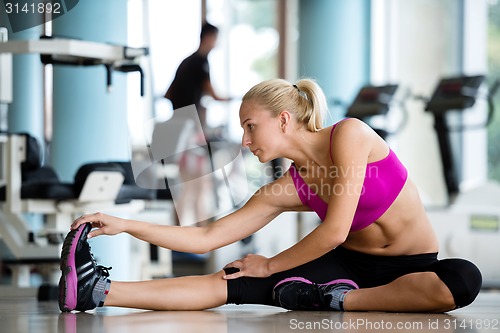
x: 469, y: 226
x: 372, y: 101
x: 27, y: 187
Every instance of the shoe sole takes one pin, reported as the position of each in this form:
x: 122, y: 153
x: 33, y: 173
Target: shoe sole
x: 68, y: 284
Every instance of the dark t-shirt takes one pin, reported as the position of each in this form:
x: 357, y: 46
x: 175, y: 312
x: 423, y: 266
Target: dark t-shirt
x: 187, y: 86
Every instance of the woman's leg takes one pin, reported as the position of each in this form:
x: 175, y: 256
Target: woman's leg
x: 415, y: 292
x: 442, y: 285
x: 183, y: 293
x: 84, y: 285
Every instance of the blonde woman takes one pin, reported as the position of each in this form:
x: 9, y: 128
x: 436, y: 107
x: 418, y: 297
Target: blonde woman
x: 374, y: 250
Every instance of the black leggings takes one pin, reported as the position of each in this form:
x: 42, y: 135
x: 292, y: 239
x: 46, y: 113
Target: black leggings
x: 461, y: 276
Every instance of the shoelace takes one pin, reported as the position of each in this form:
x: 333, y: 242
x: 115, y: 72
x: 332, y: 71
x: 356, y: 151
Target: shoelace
x: 103, y: 270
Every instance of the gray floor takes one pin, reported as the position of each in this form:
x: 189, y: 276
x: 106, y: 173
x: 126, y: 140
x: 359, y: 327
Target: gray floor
x: 25, y: 314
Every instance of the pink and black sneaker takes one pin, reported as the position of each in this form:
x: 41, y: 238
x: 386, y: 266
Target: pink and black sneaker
x: 297, y: 293
x: 81, y: 274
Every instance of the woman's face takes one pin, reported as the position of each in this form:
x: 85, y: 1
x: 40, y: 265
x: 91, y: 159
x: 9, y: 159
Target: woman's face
x: 260, y: 131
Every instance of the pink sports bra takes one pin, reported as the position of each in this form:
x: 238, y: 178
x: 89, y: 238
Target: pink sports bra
x: 383, y: 182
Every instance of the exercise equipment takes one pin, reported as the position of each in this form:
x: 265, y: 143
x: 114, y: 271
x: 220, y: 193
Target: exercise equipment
x: 66, y: 51
x: 452, y: 94
x: 376, y: 101
x: 32, y: 188
x: 469, y: 227
x: 27, y: 188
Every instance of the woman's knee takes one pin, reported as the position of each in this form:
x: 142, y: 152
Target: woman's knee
x: 461, y: 277
x: 248, y: 290
x: 234, y: 287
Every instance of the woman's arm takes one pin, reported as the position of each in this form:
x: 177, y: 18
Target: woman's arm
x: 255, y: 214
x: 350, y: 149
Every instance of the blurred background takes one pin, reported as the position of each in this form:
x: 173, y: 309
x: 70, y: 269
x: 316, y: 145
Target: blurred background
x: 88, y: 84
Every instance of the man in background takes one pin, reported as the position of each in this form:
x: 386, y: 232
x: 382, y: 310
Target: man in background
x: 190, y: 84
x: 192, y: 78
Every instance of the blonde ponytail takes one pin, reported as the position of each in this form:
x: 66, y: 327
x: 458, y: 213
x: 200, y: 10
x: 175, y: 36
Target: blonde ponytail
x: 304, y: 100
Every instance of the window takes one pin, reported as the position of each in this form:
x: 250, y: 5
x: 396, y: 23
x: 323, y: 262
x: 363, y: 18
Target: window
x: 493, y: 74
x: 171, y: 30
x: 415, y: 44
x: 247, y: 54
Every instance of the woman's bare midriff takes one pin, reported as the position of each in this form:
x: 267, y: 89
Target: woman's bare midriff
x: 404, y: 229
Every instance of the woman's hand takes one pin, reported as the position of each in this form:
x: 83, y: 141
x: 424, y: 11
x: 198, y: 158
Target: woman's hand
x: 252, y: 265
x: 105, y: 224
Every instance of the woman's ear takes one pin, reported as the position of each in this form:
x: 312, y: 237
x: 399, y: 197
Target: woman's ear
x: 284, y: 118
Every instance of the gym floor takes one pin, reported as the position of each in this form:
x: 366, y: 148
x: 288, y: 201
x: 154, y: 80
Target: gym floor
x: 27, y: 315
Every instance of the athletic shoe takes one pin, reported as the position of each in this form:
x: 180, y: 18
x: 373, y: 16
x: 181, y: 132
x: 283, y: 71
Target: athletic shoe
x: 297, y: 293
x: 80, y: 272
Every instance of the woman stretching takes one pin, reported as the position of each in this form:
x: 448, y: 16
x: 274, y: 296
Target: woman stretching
x: 374, y: 250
